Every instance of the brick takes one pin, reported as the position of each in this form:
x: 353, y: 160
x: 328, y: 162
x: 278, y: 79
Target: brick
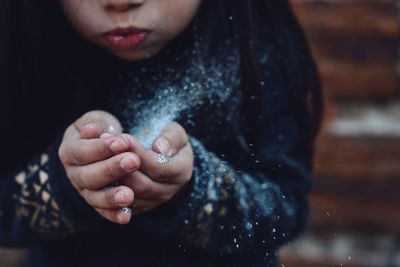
x: 342, y: 248
x: 352, y: 211
x: 357, y: 167
x: 355, y: 44
x: 359, y: 159
x: 370, y: 17
x: 343, y: 80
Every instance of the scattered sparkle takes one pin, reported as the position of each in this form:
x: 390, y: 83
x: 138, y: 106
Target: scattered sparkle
x: 163, y: 159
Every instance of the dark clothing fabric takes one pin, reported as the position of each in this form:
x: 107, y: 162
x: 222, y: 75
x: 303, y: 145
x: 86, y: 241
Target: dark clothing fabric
x: 244, y: 200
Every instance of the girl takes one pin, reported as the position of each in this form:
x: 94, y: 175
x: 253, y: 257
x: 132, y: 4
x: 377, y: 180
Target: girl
x: 202, y: 152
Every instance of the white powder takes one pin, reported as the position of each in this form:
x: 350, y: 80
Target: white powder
x: 200, y: 83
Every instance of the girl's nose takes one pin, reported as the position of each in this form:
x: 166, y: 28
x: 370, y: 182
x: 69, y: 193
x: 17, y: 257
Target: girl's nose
x: 122, y: 5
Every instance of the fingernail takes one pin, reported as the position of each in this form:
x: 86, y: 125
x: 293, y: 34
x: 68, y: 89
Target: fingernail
x: 89, y: 125
x: 120, y: 197
x: 124, y: 216
x: 128, y: 164
x: 163, y: 145
x: 105, y: 136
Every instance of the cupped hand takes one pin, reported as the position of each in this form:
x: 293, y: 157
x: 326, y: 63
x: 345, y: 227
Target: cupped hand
x: 164, y: 170
x: 93, y: 163
x: 95, y: 154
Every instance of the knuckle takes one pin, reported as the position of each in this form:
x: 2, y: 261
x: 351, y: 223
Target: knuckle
x: 110, y: 170
x: 101, y: 148
x: 141, y: 187
x: 127, y: 139
x: 108, y: 197
x: 77, y: 180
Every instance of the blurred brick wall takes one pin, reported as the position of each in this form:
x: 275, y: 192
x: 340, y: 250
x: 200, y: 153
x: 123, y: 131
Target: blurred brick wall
x: 355, y: 218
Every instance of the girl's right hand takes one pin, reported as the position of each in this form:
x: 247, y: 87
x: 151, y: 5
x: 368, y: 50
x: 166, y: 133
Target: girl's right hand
x: 92, y: 164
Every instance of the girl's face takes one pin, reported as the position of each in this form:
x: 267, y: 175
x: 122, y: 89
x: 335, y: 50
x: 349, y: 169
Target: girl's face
x: 130, y: 29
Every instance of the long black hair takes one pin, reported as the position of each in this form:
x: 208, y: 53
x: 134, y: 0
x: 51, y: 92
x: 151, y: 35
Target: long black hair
x: 36, y: 44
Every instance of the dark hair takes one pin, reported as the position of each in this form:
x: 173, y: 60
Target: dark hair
x: 300, y: 72
x: 36, y: 43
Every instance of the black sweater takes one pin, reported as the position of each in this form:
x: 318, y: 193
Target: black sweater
x: 244, y: 201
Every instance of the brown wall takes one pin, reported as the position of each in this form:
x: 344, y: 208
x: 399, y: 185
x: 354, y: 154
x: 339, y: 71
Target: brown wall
x: 355, y: 217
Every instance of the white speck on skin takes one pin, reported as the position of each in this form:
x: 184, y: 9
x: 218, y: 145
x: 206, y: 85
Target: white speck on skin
x: 162, y: 159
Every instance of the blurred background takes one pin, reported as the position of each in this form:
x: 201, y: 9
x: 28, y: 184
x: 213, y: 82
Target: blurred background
x: 355, y: 218
x: 355, y: 205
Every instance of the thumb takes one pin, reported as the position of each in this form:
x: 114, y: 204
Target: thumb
x: 95, y: 123
x: 172, y: 139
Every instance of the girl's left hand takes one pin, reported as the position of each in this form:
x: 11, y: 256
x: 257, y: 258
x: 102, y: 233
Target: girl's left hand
x: 164, y: 170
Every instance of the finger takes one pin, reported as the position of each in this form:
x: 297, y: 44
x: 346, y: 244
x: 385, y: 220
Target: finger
x: 120, y: 216
x: 180, y: 168
x: 86, y: 151
x: 172, y: 138
x: 99, y: 174
x: 111, y: 198
x: 165, y: 169
x: 159, y: 167
x: 93, y: 130
x: 63, y: 151
x: 153, y: 160
x: 95, y: 123
x: 71, y: 133
x: 147, y: 189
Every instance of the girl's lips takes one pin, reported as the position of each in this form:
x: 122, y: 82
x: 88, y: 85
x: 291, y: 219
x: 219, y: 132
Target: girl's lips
x: 126, y: 37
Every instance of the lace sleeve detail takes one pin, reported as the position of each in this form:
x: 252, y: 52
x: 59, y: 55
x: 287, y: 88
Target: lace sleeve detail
x: 29, y: 210
x: 35, y: 203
